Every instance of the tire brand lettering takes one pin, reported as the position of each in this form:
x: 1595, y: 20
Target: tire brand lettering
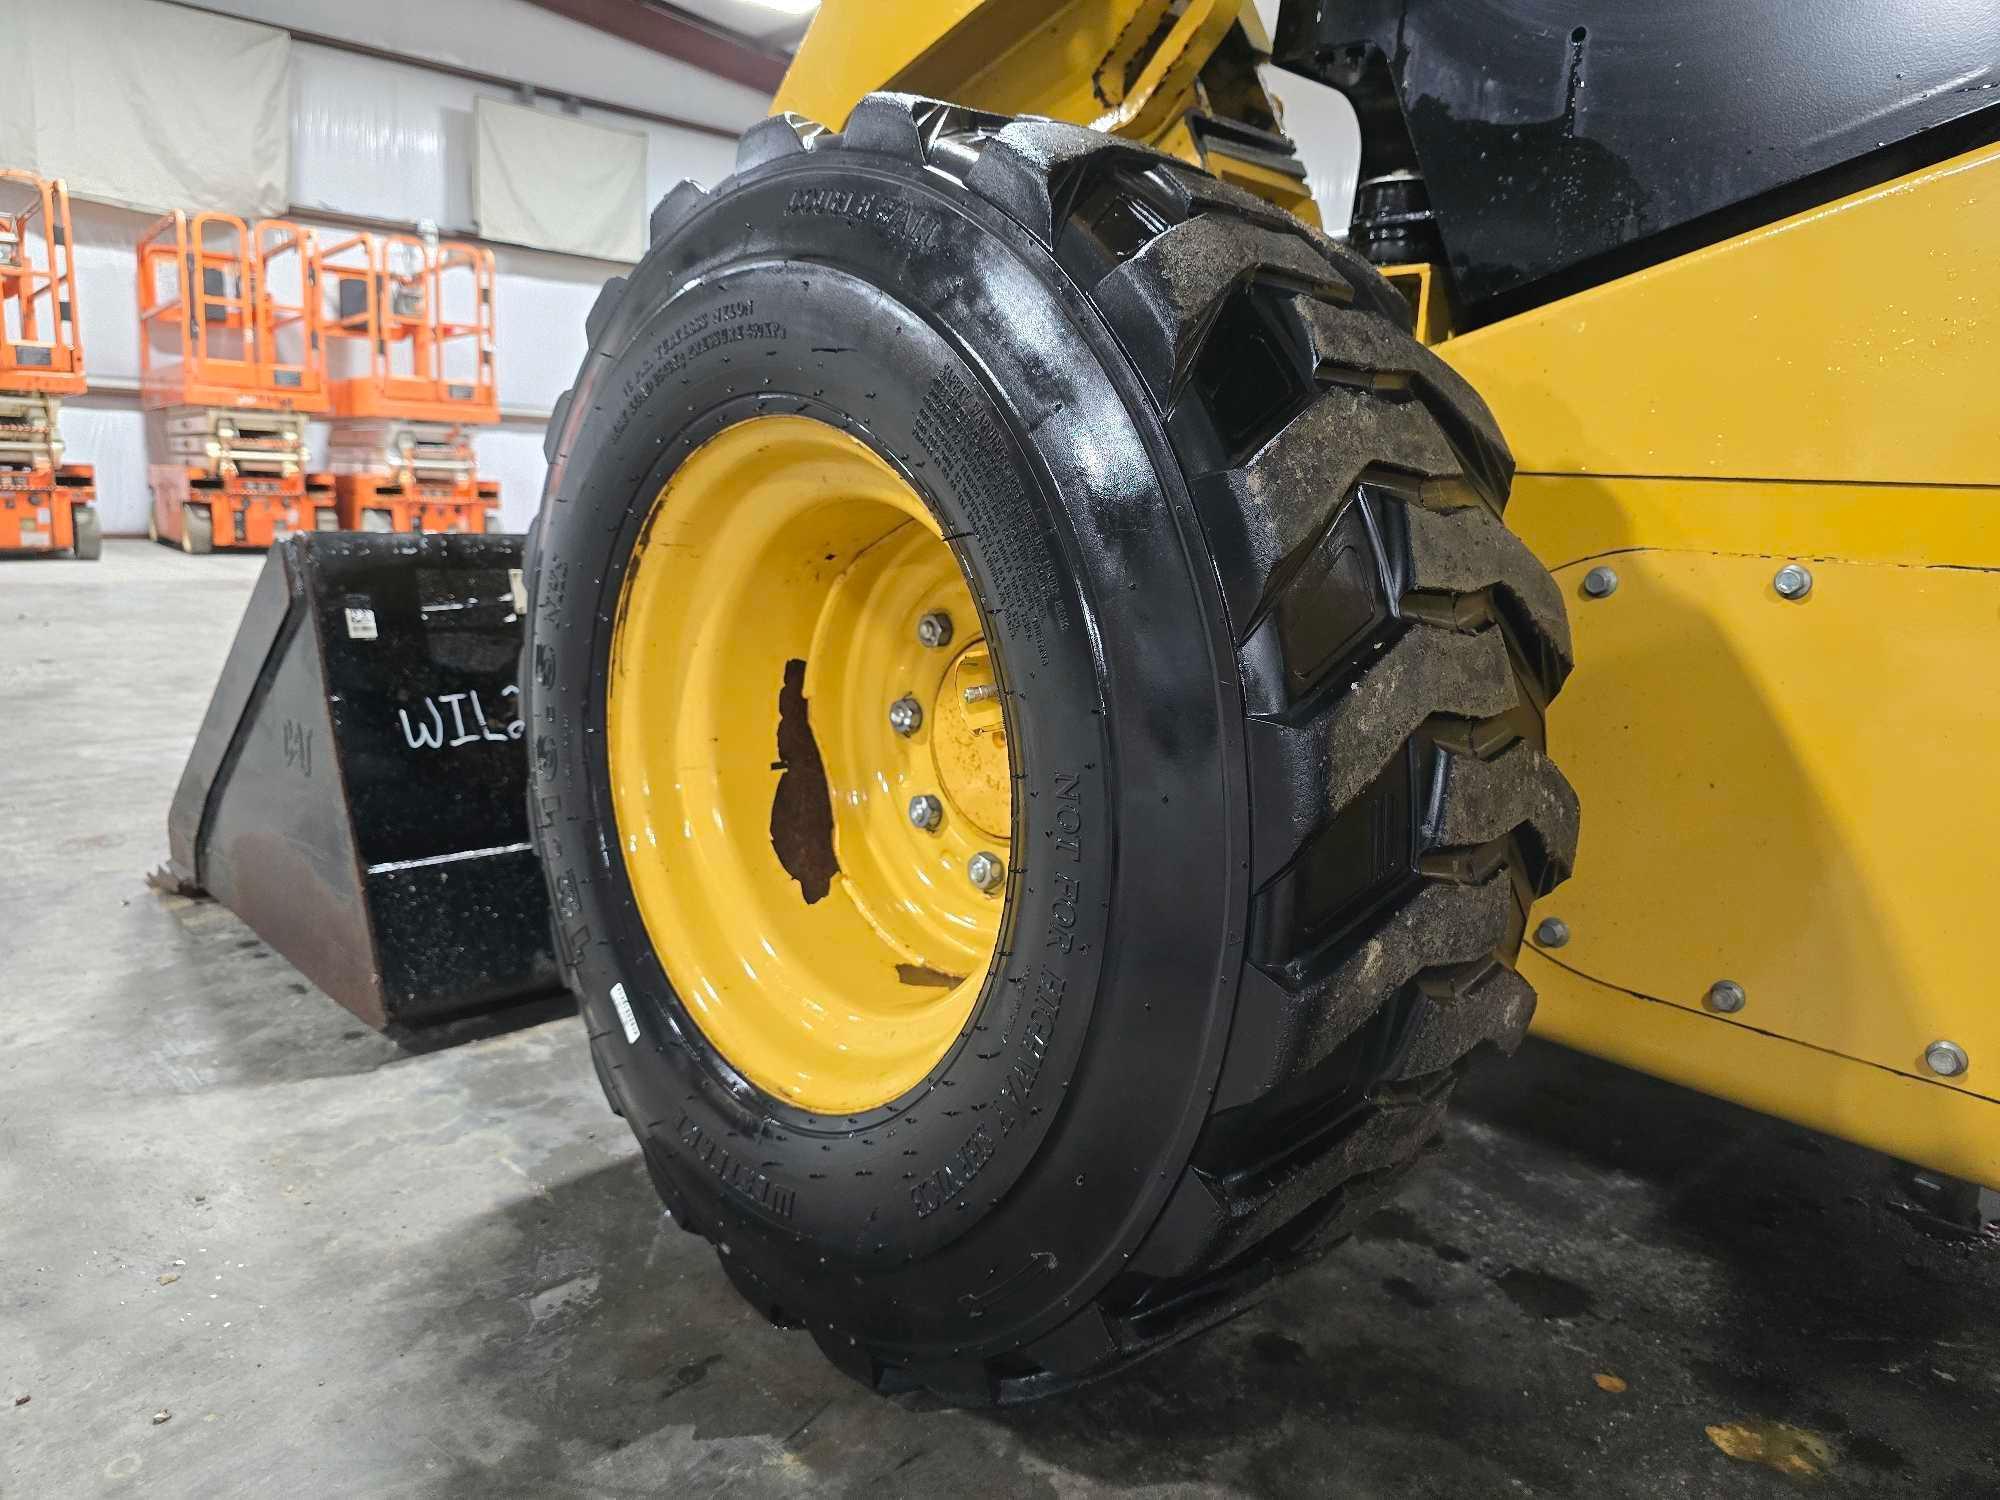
x: 1036, y: 1029
x: 951, y: 1179
x: 573, y: 941
x: 552, y: 588
x: 1069, y: 819
x: 704, y: 333
x: 1036, y: 1021
x: 1062, y: 913
x: 569, y: 902
x: 960, y: 433
x: 890, y: 215
x: 739, y: 1176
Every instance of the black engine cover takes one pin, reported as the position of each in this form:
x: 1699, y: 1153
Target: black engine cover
x: 1564, y: 142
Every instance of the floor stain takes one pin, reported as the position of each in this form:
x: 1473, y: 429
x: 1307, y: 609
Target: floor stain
x: 690, y: 1374
x: 1875, y: 1453
x: 1274, y: 1348
x: 1408, y: 1293
x: 1397, y: 1225
x: 1543, y: 1294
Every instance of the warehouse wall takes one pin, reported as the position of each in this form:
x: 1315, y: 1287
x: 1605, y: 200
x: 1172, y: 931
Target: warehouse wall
x: 390, y: 142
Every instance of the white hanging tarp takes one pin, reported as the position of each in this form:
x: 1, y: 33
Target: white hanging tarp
x: 146, y: 105
x: 554, y: 183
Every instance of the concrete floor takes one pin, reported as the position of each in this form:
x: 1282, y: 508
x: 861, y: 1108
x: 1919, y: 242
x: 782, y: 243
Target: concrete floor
x: 345, y: 1267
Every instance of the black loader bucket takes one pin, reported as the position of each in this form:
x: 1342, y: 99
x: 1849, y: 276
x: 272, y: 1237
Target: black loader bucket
x: 357, y: 793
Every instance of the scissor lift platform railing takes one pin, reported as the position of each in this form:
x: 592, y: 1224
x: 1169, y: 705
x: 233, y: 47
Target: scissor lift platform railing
x: 232, y: 363
x: 410, y: 359
x: 46, y: 505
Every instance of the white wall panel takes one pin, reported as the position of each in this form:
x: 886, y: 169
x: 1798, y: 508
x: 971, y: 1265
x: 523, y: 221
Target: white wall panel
x: 512, y: 454
x: 540, y: 302
x: 106, y: 298
x: 380, y: 140
x: 674, y: 156
x: 110, y: 434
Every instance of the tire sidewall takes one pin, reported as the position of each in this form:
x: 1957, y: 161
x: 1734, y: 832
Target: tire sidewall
x: 998, y: 1192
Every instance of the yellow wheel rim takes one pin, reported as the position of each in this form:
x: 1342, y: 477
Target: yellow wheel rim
x: 829, y: 947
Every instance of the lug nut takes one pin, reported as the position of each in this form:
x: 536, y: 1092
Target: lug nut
x: 1792, y: 581
x: 1600, y: 582
x: 906, y: 715
x: 934, y: 629
x: 1552, y: 932
x: 985, y: 871
x: 1726, y: 997
x: 926, y: 812
x: 1946, y: 1059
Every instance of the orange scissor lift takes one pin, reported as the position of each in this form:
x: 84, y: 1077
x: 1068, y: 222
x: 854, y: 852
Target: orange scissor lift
x: 46, y: 505
x: 409, y: 336
x: 231, y: 366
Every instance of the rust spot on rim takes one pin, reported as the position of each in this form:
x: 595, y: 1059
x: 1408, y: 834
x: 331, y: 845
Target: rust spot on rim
x: 801, y: 807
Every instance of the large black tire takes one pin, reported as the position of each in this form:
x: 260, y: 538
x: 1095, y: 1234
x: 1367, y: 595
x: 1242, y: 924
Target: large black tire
x: 1275, y: 673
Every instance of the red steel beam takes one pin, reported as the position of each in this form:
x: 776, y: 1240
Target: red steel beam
x: 674, y: 34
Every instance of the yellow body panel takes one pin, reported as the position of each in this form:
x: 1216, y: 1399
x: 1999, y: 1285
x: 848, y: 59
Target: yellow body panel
x: 1855, y: 341
x: 1792, y: 795
x: 1763, y: 803
x: 1565, y: 517
x: 1948, y: 1129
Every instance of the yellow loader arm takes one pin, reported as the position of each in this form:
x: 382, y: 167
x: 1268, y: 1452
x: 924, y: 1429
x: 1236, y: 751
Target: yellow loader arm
x: 1129, y: 67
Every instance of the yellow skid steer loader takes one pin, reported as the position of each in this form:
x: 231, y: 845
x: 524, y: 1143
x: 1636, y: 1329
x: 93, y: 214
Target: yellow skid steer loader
x: 1043, y: 662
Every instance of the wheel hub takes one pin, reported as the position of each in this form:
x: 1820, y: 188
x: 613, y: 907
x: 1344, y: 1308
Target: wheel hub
x: 969, y: 743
